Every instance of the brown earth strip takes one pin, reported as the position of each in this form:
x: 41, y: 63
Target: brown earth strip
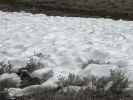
x: 116, y: 9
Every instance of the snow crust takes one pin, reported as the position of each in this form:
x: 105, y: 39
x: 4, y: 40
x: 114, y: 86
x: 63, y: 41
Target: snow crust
x: 67, y: 43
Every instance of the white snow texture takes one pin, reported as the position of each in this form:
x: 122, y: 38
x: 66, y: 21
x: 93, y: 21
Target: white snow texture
x: 67, y: 43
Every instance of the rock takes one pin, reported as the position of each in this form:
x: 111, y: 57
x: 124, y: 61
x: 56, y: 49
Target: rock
x: 15, y: 92
x: 12, y: 79
x: 43, y: 74
x: 72, y: 89
x: 97, y: 70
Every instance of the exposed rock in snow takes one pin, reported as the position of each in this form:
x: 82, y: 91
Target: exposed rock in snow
x: 15, y: 92
x: 11, y: 78
x: 72, y: 89
x: 48, y: 85
x: 97, y: 70
x: 43, y: 74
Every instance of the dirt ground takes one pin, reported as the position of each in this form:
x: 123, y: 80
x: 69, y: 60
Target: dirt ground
x: 116, y: 9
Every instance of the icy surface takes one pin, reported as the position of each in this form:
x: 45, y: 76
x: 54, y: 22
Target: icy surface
x: 67, y: 42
